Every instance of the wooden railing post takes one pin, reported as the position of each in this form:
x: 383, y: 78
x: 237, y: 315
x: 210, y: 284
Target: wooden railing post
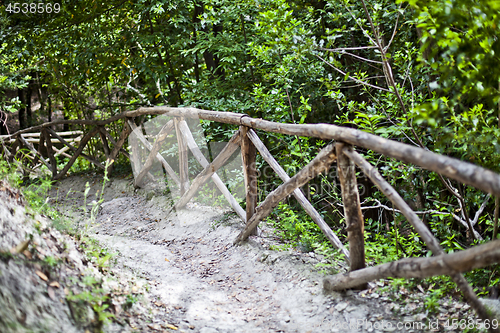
x: 183, y: 157
x: 249, y: 155
x: 352, y: 209
x: 17, y: 143
x: 50, y: 151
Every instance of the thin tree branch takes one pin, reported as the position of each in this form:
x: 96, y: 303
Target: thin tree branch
x: 352, y: 78
x: 352, y: 55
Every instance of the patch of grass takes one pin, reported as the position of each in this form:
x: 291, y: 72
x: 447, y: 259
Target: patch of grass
x: 51, y: 261
x: 94, y: 296
x: 130, y: 300
x: 96, y: 254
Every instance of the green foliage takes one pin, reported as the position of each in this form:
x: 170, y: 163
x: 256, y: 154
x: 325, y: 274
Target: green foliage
x: 98, y: 255
x: 431, y: 302
x: 50, y: 261
x: 290, y: 62
x: 460, y: 36
x: 296, y: 230
x: 94, y: 296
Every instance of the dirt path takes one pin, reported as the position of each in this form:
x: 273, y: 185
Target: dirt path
x: 199, y: 282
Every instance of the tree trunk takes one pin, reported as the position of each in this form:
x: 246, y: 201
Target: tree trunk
x: 49, y: 105
x: 3, y: 123
x: 29, y: 115
x: 20, y: 94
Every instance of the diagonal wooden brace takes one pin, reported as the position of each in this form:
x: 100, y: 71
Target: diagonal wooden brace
x: 191, y: 143
x: 162, y: 135
x: 319, y: 164
x: 209, y: 170
x: 308, y: 207
x: 77, y: 153
x: 88, y: 158
x: 33, y: 150
x: 429, y: 239
x: 160, y: 158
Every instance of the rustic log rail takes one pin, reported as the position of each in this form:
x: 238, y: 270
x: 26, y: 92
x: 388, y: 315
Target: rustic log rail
x: 246, y: 137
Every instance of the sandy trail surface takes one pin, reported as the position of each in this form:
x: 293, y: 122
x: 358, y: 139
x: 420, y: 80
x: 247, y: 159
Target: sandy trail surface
x: 200, y: 282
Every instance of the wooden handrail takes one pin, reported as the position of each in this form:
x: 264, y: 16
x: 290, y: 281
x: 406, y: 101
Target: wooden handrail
x: 465, y: 172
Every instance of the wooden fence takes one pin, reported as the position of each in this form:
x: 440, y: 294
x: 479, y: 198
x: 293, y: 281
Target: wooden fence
x: 342, y: 151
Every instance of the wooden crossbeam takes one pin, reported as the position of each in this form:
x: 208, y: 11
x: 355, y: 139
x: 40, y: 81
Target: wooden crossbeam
x: 77, y: 153
x: 36, y: 135
x: 444, y: 264
x: 308, y: 207
x: 33, y: 150
x: 320, y: 163
x: 61, y: 151
x: 148, y: 146
x: 162, y: 135
x: 37, y: 140
x: 198, y: 155
x: 209, y: 170
x: 50, y: 152
x: 70, y: 146
x: 431, y: 242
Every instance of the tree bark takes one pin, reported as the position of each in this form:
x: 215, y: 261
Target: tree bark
x: 22, y: 109
x: 29, y: 115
